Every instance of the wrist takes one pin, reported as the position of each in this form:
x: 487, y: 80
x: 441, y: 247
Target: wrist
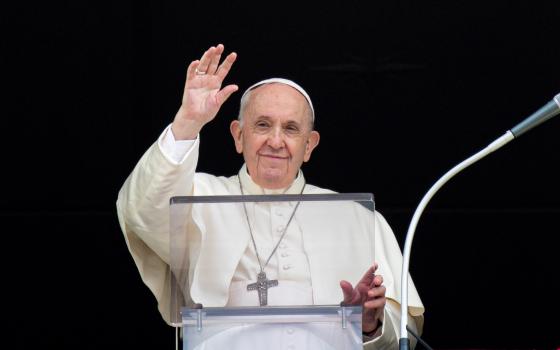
x: 372, y: 332
x: 185, y: 129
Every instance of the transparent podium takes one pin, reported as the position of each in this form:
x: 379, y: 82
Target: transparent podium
x: 264, y: 272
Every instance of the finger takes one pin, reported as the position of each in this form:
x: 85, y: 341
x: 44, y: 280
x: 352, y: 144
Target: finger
x: 377, y: 292
x: 363, y: 288
x: 375, y: 304
x: 206, y: 59
x: 225, y: 93
x: 348, y: 292
x: 367, y: 278
x: 224, y: 68
x: 377, y: 280
x: 215, y: 59
x: 191, y: 70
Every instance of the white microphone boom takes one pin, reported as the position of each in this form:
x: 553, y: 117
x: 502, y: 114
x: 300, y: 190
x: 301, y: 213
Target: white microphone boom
x: 546, y: 112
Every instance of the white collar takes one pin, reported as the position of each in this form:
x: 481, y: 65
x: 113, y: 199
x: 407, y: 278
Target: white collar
x: 250, y: 187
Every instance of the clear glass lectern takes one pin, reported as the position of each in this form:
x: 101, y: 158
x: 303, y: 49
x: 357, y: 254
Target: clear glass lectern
x: 306, y: 244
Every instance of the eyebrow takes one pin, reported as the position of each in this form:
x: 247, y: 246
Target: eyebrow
x: 266, y: 117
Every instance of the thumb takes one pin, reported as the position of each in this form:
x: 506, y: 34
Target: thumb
x: 225, y: 93
x: 348, y: 292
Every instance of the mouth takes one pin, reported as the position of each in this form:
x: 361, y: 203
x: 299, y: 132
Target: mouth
x: 273, y: 156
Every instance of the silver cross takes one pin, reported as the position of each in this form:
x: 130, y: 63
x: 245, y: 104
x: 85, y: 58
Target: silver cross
x: 262, y: 286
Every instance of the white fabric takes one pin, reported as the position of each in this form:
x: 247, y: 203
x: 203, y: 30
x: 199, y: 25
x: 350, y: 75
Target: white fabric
x: 287, y: 293
x: 174, y: 150
x: 268, y: 221
x: 143, y: 209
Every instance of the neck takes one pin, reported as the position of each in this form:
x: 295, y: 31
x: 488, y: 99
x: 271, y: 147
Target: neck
x: 250, y: 186
x: 271, y: 183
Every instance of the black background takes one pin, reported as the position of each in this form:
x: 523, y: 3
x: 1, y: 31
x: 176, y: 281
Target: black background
x: 403, y: 91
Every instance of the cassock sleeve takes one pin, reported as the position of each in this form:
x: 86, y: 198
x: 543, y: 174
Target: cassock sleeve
x: 143, y: 213
x: 389, y: 257
x: 390, y: 331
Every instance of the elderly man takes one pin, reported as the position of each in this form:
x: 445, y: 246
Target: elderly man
x: 275, y: 134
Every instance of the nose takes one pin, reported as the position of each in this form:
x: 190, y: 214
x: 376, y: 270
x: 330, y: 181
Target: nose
x: 275, y: 138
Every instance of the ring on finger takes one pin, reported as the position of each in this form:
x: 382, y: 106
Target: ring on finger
x: 199, y: 72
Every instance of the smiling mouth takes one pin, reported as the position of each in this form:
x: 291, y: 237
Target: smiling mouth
x: 272, y: 156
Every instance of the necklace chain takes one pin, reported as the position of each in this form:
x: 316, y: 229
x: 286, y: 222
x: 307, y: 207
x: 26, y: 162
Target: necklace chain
x: 281, y: 236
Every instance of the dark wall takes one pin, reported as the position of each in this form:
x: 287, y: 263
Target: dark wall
x: 403, y: 91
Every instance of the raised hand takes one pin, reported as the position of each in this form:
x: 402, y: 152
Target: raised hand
x: 370, y: 293
x: 203, y: 95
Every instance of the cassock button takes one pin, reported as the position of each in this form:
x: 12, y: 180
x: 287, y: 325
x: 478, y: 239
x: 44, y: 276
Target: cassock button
x: 280, y: 229
x: 282, y: 245
x: 287, y: 267
x: 284, y: 254
x: 290, y: 331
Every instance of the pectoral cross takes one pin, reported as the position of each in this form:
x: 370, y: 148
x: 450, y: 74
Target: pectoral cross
x: 262, y: 286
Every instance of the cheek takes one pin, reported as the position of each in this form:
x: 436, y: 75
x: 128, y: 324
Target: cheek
x: 253, y: 144
x: 297, y: 150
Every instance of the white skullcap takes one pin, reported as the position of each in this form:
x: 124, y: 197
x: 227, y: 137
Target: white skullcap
x: 287, y: 82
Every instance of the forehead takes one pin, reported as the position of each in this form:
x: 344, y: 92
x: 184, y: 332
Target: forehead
x: 278, y: 101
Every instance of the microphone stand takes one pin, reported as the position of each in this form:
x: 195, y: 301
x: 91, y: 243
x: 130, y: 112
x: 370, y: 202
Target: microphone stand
x: 404, y: 343
x: 546, y: 112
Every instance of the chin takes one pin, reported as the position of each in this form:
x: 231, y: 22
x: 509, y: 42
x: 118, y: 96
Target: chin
x: 275, y: 178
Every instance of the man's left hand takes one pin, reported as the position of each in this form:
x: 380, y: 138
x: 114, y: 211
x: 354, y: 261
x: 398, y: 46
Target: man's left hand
x: 370, y: 293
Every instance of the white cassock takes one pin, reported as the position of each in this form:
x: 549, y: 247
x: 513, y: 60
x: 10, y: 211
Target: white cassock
x: 308, y: 272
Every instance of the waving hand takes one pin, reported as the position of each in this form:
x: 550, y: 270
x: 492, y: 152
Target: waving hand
x: 203, y: 94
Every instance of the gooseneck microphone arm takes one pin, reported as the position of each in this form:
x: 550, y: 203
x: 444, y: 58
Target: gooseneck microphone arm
x: 507, y: 137
x: 548, y: 111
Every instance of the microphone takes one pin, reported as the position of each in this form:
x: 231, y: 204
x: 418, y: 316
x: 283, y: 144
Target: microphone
x: 546, y: 112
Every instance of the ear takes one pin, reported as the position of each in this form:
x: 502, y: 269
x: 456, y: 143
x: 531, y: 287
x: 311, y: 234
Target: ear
x: 312, y: 142
x: 235, y: 129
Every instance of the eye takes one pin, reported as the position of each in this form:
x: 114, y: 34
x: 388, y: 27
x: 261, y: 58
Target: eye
x: 262, y: 124
x: 292, y: 129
